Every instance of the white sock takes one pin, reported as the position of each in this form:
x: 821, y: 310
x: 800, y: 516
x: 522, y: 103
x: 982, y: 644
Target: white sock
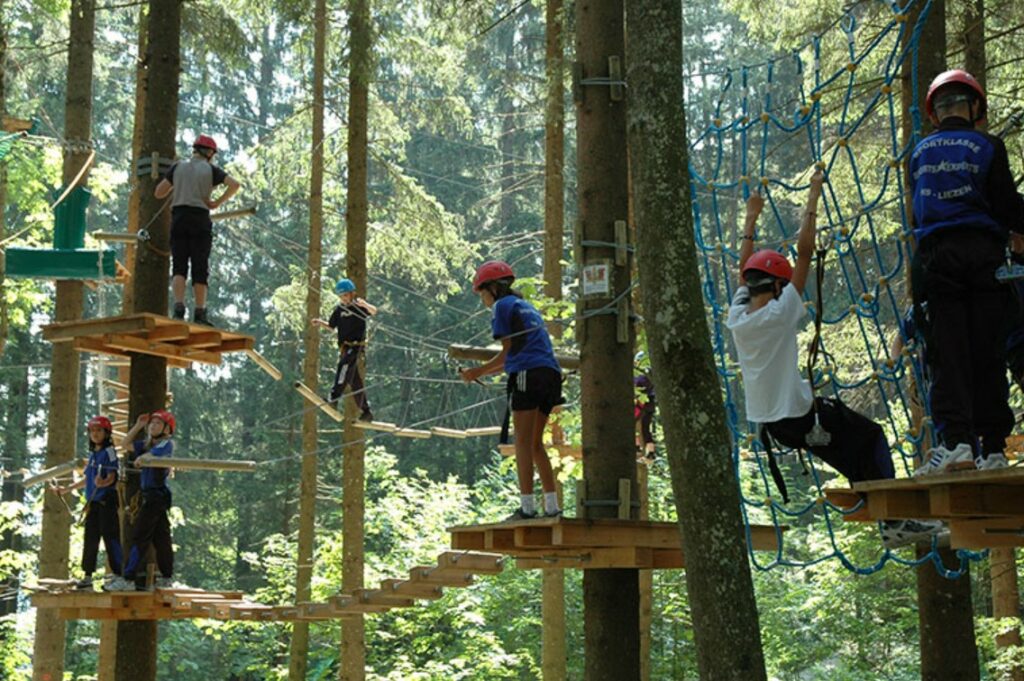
x: 551, y: 502
x: 526, y: 501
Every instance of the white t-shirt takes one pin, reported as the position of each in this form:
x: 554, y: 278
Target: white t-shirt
x: 766, y: 343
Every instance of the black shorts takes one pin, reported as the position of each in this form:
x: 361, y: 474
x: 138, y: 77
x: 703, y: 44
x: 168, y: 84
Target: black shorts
x: 191, y: 240
x: 539, y: 388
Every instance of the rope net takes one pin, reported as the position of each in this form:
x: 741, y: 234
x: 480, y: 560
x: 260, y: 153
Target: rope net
x: 833, y: 103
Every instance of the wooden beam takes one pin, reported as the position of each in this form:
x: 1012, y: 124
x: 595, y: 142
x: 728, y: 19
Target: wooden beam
x: 413, y: 433
x: 96, y: 345
x: 986, y: 533
x: 484, y: 354
x: 169, y: 332
x: 197, y: 464
x: 142, y: 346
x: 412, y: 589
x: 480, y: 563
x: 11, y: 124
x: 65, y: 331
x: 229, y: 214
x: 449, y: 432
x: 205, y: 339
x: 320, y: 402
x: 486, y: 431
x: 898, y: 503
x: 977, y: 500
x: 264, y: 364
x: 381, y: 426
x: 51, y: 473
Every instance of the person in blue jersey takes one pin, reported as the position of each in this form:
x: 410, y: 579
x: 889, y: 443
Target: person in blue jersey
x: 101, y: 520
x: 964, y: 206
x: 349, y: 319
x: 534, y: 385
x: 152, y: 526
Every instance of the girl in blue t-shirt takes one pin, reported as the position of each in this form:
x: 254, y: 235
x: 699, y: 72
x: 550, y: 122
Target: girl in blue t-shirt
x: 534, y: 380
x: 100, y: 500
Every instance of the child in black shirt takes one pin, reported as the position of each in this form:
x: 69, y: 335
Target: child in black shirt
x: 349, y: 318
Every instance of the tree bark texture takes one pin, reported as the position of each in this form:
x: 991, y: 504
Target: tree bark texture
x: 353, y: 634
x: 972, y: 35
x: 136, y: 640
x: 718, y: 580
x: 298, y: 658
x: 15, y: 447
x: 62, y: 426
x: 1006, y: 601
x: 610, y: 597
x: 128, y: 293
x: 3, y: 182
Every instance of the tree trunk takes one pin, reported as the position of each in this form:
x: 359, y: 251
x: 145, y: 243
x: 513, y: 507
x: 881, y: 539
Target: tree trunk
x: 1006, y: 601
x: 553, y: 662
x: 945, y: 614
x: 973, y: 38
x: 610, y: 597
x: 311, y: 352
x: 15, y: 448
x: 128, y: 294
x: 62, y: 426
x: 136, y: 640
x: 353, y: 635
x: 718, y: 581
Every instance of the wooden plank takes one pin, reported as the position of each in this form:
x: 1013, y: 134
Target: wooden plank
x: 468, y: 541
x: 480, y: 563
x: 236, y: 344
x: 898, y: 503
x: 169, y: 332
x: 97, y: 346
x: 441, y: 576
x: 382, y: 426
x: 412, y: 589
x: 413, y: 433
x: 203, y: 339
x: 500, y: 539
x: 65, y: 331
x: 381, y: 597
x: 487, y: 431
x: 988, y: 533
x: 631, y: 557
x: 144, y: 347
x: 264, y: 364
x: 320, y: 402
x: 197, y: 464
x: 999, y: 476
x: 976, y: 500
x: 348, y: 605
x: 449, y: 432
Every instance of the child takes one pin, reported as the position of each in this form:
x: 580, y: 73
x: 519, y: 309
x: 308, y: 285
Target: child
x: 191, y: 182
x: 766, y: 314
x: 643, y: 413
x: 534, y: 380
x: 965, y: 204
x: 152, y: 528
x: 349, y: 318
x: 100, y: 500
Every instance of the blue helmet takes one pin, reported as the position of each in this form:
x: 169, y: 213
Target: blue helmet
x: 344, y: 286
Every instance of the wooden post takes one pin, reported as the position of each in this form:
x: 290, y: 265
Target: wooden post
x: 1006, y: 600
x: 298, y: 658
x: 646, y: 577
x: 553, y: 652
x: 611, y: 598
x: 353, y: 634
x: 3, y: 185
x: 136, y: 640
x: 62, y: 425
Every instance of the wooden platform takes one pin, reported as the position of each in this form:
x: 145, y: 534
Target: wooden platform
x: 425, y: 582
x: 587, y: 544
x: 984, y: 509
x: 179, y: 342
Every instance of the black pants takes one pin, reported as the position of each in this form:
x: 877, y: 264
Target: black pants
x: 101, y: 522
x: 858, y: 448
x: 348, y: 376
x: 152, y: 528
x: 191, y: 241
x: 967, y: 309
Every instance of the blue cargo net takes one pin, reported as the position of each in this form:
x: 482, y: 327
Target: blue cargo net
x: 771, y: 125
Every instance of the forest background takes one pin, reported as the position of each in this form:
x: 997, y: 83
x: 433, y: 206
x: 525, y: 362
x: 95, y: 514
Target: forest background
x: 456, y: 175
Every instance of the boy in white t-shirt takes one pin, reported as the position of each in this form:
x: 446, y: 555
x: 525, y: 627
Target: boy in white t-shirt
x: 766, y: 314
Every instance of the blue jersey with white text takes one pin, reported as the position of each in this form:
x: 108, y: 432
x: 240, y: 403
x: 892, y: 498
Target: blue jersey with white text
x: 961, y: 179
x: 153, y: 478
x: 517, y: 320
x: 102, y: 462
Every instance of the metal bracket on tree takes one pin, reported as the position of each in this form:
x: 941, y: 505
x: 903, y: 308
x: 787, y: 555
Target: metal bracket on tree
x: 154, y: 165
x: 613, y: 81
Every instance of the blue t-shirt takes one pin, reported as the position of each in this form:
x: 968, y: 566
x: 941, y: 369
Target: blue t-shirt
x: 516, y: 319
x: 102, y: 462
x: 152, y: 478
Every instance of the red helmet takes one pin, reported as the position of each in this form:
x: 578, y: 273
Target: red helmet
x: 101, y: 421
x: 206, y: 142
x: 956, y: 76
x: 770, y: 262
x: 165, y: 416
x: 492, y: 271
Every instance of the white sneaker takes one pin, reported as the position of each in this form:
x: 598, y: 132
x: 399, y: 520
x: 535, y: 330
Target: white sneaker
x: 941, y: 459
x: 991, y: 462
x: 119, y: 583
x: 896, y: 533
x: 167, y: 583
